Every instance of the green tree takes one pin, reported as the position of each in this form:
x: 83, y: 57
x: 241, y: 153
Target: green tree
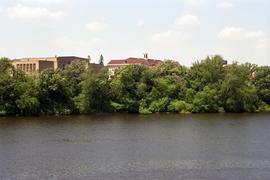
x: 74, y: 74
x: 262, y: 83
x: 8, y: 94
x: 208, y: 72
x: 27, y: 100
x: 237, y: 91
x: 208, y: 86
x: 206, y: 101
x: 6, y: 67
x: 96, y: 93
x: 130, y: 86
x: 17, y: 92
x: 54, y: 95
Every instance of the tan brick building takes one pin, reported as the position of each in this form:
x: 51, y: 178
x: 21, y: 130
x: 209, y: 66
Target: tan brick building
x: 30, y: 65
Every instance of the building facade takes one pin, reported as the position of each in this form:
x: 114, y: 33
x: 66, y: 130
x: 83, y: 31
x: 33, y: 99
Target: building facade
x: 31, y: 65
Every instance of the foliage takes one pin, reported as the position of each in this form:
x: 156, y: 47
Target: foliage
x: 237, y: 91
x: 18, y: 93
x: 206, y: 73
x: 95, y: 94
x: 262, y: 82
x: 179, y: 106
x: 206, y: 100
x: 54, y: 95
x: 208, y: 86
x: 74, y: 74
x: 159, y: 105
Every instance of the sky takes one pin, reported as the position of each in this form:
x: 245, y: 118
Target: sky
x: 181, y: 30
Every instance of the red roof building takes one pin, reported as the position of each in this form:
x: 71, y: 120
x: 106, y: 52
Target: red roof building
x: 114, y: 65
x: 130, y: 61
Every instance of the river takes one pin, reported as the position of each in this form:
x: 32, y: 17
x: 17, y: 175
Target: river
x: 122, y: 146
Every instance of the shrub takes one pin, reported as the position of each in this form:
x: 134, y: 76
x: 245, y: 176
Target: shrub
x: 159, y: 105
x: 179, y: 106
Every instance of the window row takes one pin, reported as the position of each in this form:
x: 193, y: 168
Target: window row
x: 27, y: 67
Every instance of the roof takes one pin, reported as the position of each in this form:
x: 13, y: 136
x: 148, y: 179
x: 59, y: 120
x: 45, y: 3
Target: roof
x: 129, y: 61
x: 48, y: 58
x: 152, y: 62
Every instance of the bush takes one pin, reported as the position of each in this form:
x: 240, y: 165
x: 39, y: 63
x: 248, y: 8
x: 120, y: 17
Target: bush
x: 263, y: 107
x: 116, y: 107
x: 28, y: 105
x: 144, y: 110
x: 179, y: 106
x: 206, y: 101
x: 159, y: 105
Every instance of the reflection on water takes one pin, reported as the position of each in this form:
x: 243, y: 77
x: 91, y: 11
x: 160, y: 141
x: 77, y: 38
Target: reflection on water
x: 205, y: 146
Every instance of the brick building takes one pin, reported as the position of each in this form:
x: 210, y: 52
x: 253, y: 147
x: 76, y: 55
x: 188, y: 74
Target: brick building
x: 114, y: 65
x: 30, y: 65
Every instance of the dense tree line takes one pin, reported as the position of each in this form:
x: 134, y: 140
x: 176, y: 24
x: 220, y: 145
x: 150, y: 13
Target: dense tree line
x: 208, y: 86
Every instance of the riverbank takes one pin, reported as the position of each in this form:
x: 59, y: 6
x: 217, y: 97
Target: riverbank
x: 126, y: 113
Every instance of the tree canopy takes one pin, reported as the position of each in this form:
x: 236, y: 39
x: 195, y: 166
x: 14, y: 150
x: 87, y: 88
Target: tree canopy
x: 208, y: 86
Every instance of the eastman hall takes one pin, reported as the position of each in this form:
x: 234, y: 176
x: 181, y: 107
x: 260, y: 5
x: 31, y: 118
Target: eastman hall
x: 30, y: 65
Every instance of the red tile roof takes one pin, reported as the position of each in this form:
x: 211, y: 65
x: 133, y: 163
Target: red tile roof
x: 150, y: 62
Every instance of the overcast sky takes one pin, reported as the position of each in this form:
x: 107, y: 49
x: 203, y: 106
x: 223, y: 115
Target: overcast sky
x: 182, y: 30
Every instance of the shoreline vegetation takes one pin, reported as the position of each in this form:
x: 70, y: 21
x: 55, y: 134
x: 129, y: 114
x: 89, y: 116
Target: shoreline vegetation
x: 207, y: 86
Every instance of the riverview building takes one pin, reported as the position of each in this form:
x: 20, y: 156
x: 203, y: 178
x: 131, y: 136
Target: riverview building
x: 31, y: 65
x: 115, y: 65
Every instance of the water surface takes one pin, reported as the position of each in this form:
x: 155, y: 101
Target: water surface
x: 201, y: 146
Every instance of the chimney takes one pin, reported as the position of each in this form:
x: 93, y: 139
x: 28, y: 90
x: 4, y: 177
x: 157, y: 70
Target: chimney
x: 89, y: 58
x: 145, y: 56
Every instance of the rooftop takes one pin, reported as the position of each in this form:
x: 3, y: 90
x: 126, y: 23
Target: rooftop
x: 47, y: 58
x: 150, y: 62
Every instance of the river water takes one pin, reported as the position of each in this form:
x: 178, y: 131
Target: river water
x: 167, y: 146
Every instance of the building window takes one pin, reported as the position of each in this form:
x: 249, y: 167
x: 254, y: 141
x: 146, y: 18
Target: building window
x: 31, y: 67
x: 18, y: 66
x: 27, y: 67
x: 23, y: 67
x: 34, y: 67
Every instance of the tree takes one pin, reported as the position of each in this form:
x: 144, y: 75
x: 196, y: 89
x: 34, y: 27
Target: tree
x: 54, y: 95
x: 27, y: 100
x: 262, y: 83
x: 208, y: 86
x: 74, y: 74
x: 208, y: 72
x: 130, y: 86
x: 95, y: 95
x: 238, y: 94
x: 8, y: 94
x: 206, y: 101
x: 6, y: 67
x: 18, y: 93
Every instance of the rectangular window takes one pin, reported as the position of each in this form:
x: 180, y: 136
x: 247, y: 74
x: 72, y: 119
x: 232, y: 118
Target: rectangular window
x: 23, y: 67
x: 34, y: 67
x: 27, y: 67
x: 31, y: 67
